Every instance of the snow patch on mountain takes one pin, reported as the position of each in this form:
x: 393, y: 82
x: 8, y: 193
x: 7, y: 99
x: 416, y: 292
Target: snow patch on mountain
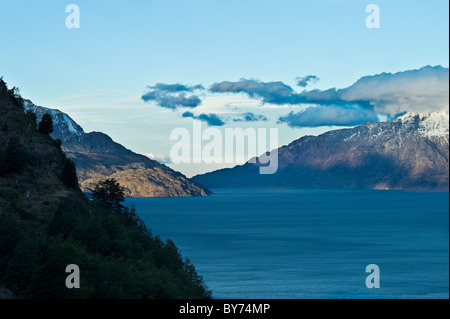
x: 434, y: 124
x: 64, y: 126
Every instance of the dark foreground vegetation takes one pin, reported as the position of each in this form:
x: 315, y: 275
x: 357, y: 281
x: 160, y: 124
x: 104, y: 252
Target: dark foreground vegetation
x: 46, y: 223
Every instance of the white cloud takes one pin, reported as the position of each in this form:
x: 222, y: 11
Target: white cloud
x: 159, y: 157
x: 421, y: 90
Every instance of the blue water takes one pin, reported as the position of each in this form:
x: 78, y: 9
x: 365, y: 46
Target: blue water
x: 309, y: 243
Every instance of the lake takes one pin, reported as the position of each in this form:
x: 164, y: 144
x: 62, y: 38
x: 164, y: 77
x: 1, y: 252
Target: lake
x: 296, y: 244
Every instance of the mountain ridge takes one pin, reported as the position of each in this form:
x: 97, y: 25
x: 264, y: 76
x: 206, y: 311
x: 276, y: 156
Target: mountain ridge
x: 47, y: 223
x: 98, y: 157
x: 410, y: 152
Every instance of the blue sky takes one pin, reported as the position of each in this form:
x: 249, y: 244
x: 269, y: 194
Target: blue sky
x: 99, y: 72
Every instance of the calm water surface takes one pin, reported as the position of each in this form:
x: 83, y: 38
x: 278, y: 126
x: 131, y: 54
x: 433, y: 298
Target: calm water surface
x: 309, y: 243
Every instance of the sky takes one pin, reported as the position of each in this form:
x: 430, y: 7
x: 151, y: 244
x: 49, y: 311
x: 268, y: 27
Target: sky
x: 138, y: 69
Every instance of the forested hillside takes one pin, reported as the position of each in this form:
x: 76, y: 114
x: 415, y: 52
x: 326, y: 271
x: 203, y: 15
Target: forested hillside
x: 46, y: 223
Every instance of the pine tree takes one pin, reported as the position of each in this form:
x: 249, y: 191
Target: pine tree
x: 69, y: 174
x: 46, y: 124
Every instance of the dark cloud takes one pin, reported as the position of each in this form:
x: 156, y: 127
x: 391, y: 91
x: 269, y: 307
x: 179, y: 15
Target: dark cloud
x: 176, y: 87
x: 211, y: 119
x: 188, y: 114
x: 250, y: 117
x: 172, y: 101
x: 270, y: 92
x: 303, y: 81
x: 173, y: 96
x: 277, y: 92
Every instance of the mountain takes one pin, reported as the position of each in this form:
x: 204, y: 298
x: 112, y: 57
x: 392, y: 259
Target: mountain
x: 411, y: 152
x: 98, y: 157
x: 47, y: 223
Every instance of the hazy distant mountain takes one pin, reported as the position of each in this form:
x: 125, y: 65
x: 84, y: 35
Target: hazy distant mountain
x: 98, y: 157
x: 410, y: 152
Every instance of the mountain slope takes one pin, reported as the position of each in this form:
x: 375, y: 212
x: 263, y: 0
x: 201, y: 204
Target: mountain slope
x: 47, y: 224
x: 410, y: 152
x: 98, y: 157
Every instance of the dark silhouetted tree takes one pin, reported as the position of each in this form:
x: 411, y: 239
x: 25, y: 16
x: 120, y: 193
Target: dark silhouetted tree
x: 109, y: 193
x: 69, y: 174
x: 46, y: 124
x: 15, y: 96
x: 3, y: 87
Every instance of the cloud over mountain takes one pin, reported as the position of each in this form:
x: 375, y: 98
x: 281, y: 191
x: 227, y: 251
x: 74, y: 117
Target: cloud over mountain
x: 159, y: 157
x: 331, y: 115
x: 376, y: 97
x: 420, y: 90
x: 371, y: 98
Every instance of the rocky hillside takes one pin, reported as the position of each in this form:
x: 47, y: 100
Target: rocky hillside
x: 46, y: 224
x: 411, y: 152
x: 98, y: 157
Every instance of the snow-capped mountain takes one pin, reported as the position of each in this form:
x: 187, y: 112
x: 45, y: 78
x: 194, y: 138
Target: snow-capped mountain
x: 411, y: 152
x: 65, y: 128
x: 431, y: 125
x: 98, y: 157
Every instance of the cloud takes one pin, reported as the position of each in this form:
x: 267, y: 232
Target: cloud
x: 250, y: 117
x: 172, y: 96
x: 172, y: 101
x: 371, y: 98
x: 188, y: 114
x: 421, y: 90
x: 176, y: 87
x: 277, y: 92
x: 418, y: 90
x: 211, y: 119
x: 270, y: 92
x: 303, y: 81
x: 331, y: 115
x: 159, y: 157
